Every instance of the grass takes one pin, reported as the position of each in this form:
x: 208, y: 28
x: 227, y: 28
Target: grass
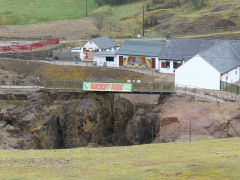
x: 19, y: 12
x: 121, y: 20
x: 46, y: 71
x: 130, y: 15
x: 211, y: 159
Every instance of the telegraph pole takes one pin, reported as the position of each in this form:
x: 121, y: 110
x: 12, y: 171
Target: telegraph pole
x: 143, y: 21
x: 86, y: 7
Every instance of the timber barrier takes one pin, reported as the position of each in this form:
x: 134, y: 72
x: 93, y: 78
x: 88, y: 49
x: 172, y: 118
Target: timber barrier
x: 153, y: 87
x: 136, y: 87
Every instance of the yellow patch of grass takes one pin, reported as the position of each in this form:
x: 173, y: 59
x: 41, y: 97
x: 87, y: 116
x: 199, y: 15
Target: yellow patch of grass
x: 211, y: 159
x: 91, y: 73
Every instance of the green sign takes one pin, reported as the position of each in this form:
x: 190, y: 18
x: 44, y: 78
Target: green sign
x: 117, y: 87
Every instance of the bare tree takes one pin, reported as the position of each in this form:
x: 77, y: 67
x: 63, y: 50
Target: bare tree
x: 99, y: 22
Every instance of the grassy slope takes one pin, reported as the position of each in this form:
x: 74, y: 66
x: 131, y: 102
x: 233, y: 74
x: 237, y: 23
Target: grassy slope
x: 46, y: 71
x: 131, y: 15
x: 20, y: 12
x: 125, y: 19
x: 212, y: 159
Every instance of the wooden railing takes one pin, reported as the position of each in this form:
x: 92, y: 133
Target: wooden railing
x: 141, y: 87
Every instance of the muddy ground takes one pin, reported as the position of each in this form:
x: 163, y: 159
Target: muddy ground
x: 64, y: 29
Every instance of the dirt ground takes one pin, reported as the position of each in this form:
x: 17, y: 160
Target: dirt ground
x: 207, y: 119
x: 69, y: 29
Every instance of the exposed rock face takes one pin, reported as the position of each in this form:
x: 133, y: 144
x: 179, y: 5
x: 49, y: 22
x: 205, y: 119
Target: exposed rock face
x: 64, y: 120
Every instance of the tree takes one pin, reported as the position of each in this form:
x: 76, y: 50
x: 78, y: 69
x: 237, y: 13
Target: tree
x: 99, y: 22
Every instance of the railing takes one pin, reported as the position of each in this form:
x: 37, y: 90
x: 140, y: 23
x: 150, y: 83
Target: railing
x: 214, y: 95
x: 152, y: 87
x: 142, y: 87
x: 228, y: 87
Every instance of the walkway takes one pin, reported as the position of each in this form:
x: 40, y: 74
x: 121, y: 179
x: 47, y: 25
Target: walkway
x: 137, y: 88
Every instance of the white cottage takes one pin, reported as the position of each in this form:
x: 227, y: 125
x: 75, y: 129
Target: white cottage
x: 177, y: 51
x: 96, y: 45
x: 221, y: 62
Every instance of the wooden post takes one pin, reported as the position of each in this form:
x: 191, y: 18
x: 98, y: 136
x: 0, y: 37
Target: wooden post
x: 143, y: 20
x: 190, y: 131
x: 152, y: 133
x: 86, y: 7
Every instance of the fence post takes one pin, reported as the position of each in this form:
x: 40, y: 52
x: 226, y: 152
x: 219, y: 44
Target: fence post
x: 152, y: 133
x: 190, y: 131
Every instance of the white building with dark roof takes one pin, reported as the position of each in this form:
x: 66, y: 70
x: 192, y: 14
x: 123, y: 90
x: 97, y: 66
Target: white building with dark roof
x: 178, y: 51
x: 106, y: 58
x: 96, y: 45
x: 208, y: 68
x: 133, y: 53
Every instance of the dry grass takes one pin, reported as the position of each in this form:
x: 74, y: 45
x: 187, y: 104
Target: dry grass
x: 212, y: 159
x: 47, y: 71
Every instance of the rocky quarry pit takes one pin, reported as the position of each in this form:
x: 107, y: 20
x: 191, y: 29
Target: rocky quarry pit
x: 48, y: 120
x: 67, y: 120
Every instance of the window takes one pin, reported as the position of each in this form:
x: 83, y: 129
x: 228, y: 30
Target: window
x: 176, y: 64
x: 111, y: 59
x: 168, y: 64
x: 165, y: 64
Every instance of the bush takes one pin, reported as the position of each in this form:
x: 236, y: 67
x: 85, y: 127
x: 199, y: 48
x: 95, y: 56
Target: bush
x: 199, y: 3
x: 151, y: 21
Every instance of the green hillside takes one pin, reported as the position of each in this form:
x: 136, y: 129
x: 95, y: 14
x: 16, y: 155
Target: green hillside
x: 211, y: 159
x: 18, y: 12
x: 162, y: 16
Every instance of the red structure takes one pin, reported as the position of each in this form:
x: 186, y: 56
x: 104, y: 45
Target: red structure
x: 19, y: 47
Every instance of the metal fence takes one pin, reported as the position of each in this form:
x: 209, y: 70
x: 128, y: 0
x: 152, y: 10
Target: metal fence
x: 208, y: 94
x: 171, y: 129
x: 228, y: 87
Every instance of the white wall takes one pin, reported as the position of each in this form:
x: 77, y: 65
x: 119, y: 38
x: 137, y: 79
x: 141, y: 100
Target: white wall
x: 100, y: 60
x: 198, y: 73
x: 231, y: 76
x: 170, y: 70
x: 157, y: 63
x: 89, y: 45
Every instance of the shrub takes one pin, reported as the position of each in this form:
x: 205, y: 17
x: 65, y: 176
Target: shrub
x: 199, y: 3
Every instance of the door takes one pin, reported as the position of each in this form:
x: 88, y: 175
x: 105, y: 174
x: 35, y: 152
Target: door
x: 120, y: 60
x: 153, y: 63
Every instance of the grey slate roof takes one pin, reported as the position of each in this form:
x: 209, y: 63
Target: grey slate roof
x: 105, y: 53
x: 140, y: 48
x: 178, y: 49
x: 104, y: 42
x: 223, y: 57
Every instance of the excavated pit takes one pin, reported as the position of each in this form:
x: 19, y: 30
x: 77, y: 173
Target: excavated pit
x: 69, y: 120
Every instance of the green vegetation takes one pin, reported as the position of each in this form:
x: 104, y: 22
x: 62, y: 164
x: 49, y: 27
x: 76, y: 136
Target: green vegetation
x: 175, y: 15
x: 19, y: 12
x: 124, y: 17
x: 211, y: 159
